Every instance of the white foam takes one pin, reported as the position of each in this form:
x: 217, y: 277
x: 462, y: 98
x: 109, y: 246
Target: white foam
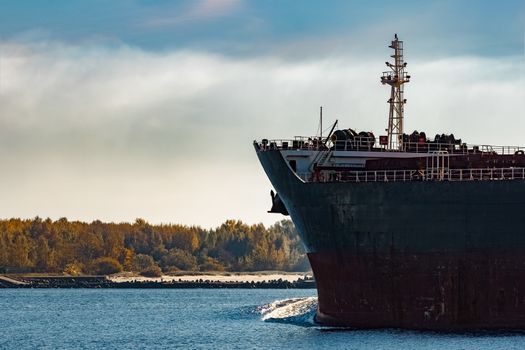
x: 299, y: 311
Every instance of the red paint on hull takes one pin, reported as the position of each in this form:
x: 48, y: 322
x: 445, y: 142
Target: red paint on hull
x: 421, y: 291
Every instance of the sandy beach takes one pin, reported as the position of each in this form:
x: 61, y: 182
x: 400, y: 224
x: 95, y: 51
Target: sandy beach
x: 227, y: 277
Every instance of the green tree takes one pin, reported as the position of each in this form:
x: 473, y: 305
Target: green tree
x: 180, y: 259
x: 74, y: 246
x: 106, y: 266
x: 211, y: 264
x: 142, y: 262
x: 43, y: 259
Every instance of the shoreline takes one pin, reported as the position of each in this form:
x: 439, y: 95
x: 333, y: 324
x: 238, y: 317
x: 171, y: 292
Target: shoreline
x: 183, y: 281
x: 215, y: 277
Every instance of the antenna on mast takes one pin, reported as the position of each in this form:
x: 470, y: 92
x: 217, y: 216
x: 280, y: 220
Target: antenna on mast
x: 396, y: 78
x: 321, y: 123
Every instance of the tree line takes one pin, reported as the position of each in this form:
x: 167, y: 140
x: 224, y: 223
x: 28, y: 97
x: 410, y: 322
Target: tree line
x: 75, y: 247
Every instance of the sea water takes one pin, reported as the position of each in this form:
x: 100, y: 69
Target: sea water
x: 200, y: 319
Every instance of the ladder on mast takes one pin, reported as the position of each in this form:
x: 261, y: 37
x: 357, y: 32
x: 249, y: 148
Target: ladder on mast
x: 396, y: 78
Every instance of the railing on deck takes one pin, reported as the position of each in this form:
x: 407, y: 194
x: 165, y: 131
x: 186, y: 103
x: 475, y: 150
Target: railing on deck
x: 368, y: 144
x: 416, y: 175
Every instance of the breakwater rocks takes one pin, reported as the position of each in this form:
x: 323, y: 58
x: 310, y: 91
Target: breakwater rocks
x: 104, y: 282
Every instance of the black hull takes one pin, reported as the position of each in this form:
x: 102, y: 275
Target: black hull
x: 421, y: 291
x: 419, y: 255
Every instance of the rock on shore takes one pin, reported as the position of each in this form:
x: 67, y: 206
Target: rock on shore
x: 185, y: 281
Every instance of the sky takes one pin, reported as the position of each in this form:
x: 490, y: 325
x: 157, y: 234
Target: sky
x: 117, y: 110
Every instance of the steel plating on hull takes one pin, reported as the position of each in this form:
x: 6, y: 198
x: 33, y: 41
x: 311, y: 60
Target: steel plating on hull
x: 411, y: 232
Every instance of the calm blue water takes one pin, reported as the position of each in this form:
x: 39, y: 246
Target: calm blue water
x: 198, y: 318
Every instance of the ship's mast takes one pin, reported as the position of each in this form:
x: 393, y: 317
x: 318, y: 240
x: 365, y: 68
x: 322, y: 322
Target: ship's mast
x: 321, y: 123
x: 396, y: 77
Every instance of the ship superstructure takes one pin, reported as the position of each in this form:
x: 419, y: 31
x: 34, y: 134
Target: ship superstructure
x: 406, y: 230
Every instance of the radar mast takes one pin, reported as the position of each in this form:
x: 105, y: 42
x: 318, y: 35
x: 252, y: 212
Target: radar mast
x: 396, y: 78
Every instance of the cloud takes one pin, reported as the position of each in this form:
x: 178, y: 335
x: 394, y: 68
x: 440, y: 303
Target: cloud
x: 200, y: 10
x: 209, y: 8
x: 117, y: 132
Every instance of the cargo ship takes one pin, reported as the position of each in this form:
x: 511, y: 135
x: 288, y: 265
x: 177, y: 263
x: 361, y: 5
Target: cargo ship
x: 405, y: 230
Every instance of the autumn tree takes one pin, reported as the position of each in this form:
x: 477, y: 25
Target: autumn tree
x: 77, y: 247
x: 105, y: 266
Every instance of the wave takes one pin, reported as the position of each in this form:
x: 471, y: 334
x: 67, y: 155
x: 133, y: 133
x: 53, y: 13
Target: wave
x: 297, y: 311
